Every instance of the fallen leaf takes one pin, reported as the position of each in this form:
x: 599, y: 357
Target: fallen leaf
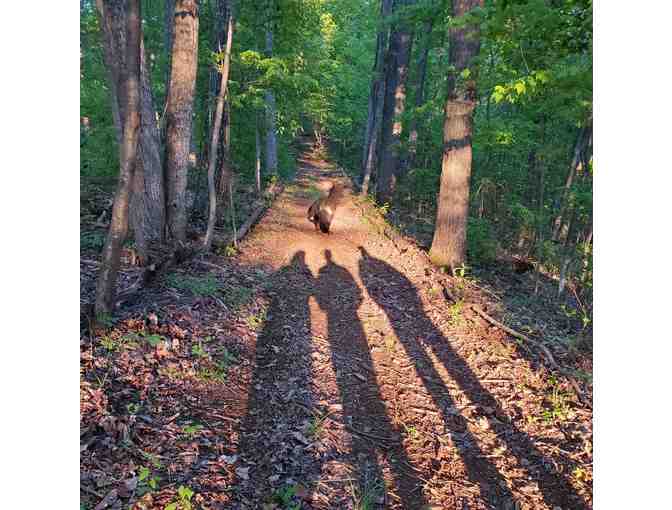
x: 228, y: 459
x: 110, y: 498
x: 243, y: 473
x: 127, y: 487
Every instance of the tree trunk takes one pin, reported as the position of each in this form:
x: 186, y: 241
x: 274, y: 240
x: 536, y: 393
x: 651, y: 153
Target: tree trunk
x: 168, y: 34
x: 147, y: 201
x: 396, y: 73
x: 449, y: 243
x: 214, y: 138
x: 375, y: 101
x: 582, y: 141
x: 540, y: 211
x: 107, y: 278
x: 257, y: 154
x: 271, y: 133
x: 421, y: 76
x: 567, y: 253
x: 179, y: 114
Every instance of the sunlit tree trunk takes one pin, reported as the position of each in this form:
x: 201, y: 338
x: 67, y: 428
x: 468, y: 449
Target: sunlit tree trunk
x: 421, y: 75
x: 371, y: 135
x: 214, y: 137
x: 147, y: 213
x: 179, y: 114
x: 449, y: 243
x: 130, y: 85
x: 257, y: 154
x: 396, y: 74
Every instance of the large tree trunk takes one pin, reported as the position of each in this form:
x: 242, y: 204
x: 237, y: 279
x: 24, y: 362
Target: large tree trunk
x: 376, y: 95
x: 148, y: 204
x: 147, y: 200
x: 214, y: 138
x: 450, y: 233
x: 583, y: 140
x: 107, y: 278
x: 179, y: 114
x: 421, y: 76
x: 396, y: 74
x: 271, y: 133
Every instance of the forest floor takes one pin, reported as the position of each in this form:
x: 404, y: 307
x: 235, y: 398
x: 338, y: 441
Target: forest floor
x: 325, y: 371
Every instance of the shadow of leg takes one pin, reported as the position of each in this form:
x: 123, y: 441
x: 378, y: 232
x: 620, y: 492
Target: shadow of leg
x: 386, y: 286
x: 374, y: 439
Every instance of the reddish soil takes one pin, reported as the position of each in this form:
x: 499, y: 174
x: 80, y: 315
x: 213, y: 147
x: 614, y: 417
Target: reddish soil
x: 355, y: 384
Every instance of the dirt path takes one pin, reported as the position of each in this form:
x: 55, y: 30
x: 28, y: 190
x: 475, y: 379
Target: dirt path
x: 368, y: 390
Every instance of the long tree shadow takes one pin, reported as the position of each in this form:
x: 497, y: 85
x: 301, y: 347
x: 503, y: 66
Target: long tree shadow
x: 412, y: 327
x: 365, y: 415
x: 281, y: 398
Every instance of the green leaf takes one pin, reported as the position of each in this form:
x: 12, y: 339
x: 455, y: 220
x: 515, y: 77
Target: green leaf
x: 465, y: 74
x: 144, y: 473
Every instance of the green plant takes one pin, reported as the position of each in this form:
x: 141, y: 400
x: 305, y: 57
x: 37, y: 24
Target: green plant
x: 152, y: 458
x: 455, y: 313
x: 133, y: 408
x: 481, y: 241
x: 91, y: 240
x: 256, y: 320
x: 198, y: 350
x: 191, y: 430
x: 411, y: 432
x: 365, y: 498
x: 285, y: 497
x: 558, y: 409
x: 236, y: 296
x: 110, y: 343
x: 183, y: 499
x: 146, y: 482
x: 200, y: 286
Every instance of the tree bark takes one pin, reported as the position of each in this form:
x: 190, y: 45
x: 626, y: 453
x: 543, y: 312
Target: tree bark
x: 168, y: 34
x: 257, y: 154
x: 396, y: 74
x: 583, y: 139
x: 376, y: 95
x: 179, y: 114
x: 147, y: 201
x: 449, y: 243
x: 421, y: 75
x: 214, y: 138
x: 107, y: 278
x: 567, y: 253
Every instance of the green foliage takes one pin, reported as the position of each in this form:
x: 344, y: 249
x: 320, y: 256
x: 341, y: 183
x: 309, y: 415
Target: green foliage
x: 94, y: 240
x: 285, y: 497
x: 557, y: 408
x: 147, y: 481
x: 198, y: 285
x: 481, y: 242
x: 183, y: 499
x: 191, y: 430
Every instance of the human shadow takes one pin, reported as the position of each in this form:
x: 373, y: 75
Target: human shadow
x: 364, y: 413
x: 413, y: 329
x: 281, y: 398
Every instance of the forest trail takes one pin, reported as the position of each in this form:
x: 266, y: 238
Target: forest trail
x: 367, y: 389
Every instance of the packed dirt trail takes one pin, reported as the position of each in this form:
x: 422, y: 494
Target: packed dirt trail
x: 365, y: 391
